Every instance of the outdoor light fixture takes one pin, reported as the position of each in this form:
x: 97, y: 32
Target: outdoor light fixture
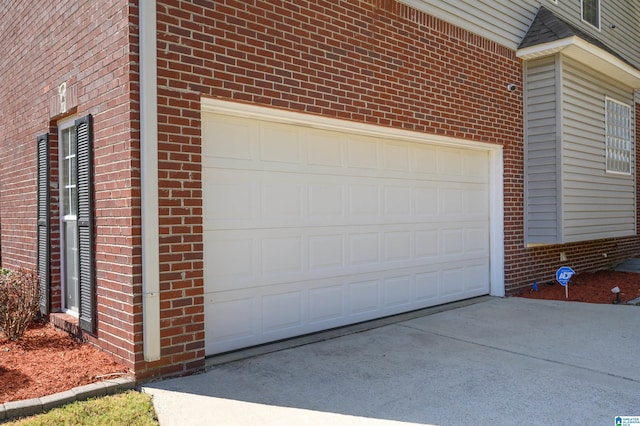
x: 616, y: 291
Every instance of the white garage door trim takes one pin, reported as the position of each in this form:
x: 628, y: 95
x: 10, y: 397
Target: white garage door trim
x: 495, y: 182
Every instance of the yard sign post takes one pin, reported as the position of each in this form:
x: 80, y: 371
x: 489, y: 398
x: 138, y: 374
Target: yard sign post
x: 563, y: 275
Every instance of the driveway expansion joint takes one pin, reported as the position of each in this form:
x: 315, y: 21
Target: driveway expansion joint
x: 496, y: 348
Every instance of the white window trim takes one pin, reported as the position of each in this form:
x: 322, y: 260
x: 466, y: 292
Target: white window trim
x: 599, y: 26
x: 64, y: 124
x: 631, y: 136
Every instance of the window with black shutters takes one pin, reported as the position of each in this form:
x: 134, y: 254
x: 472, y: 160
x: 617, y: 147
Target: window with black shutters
x: 76, y: 218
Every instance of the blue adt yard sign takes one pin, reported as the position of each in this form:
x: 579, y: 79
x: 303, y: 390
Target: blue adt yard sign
x: 564, y: 274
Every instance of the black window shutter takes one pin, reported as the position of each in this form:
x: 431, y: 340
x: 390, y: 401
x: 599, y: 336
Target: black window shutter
x: 43, y: 258
x: 84, y: 135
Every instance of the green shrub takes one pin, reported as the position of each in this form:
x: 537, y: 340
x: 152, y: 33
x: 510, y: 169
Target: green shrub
x: 19, y: 301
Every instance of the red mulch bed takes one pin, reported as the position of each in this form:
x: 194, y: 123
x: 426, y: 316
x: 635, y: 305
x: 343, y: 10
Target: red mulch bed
x: 46, y: 361
x: 591, y: 288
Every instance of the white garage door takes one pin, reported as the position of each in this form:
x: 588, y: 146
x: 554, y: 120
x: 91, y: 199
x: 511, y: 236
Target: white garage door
x: 307, y: 229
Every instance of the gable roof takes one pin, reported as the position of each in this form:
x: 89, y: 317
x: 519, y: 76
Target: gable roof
x: 550, y: 34
x: 548, y: 27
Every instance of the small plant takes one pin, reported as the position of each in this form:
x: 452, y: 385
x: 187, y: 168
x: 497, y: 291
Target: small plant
x: 19, y: 301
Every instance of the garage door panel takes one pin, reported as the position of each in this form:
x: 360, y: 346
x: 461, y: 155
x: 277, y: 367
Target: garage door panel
x: 475, y: 240
x: 450, y: 162
x: 364, y: 298
x: 230, y: 259
x: 257, y: 257
x: 326, y: 303
x: 280, y: 143
x: 364, y: 200
x: 425, y: 201
x: 452, y: 281
x: 397, y: 200
x: 282, y: 311
x: 236, y: 138
x: 397, y: 246
x: 236, y: 315
x: 307, y: 229
x: 363, y: 153
x: 326, y: 200
x: 277, y: 311
x: 477, y: 278
x: 325, y: 149
x: 281, y: 200
x: 397, y: 292
x: 474, y: 166
x: 396, y: 156
x: 426, y: 287
x: 262, y: 145
x: 326, y: 252
x: 282, y: 256
x: 245, y: 199
x: 426, y: 243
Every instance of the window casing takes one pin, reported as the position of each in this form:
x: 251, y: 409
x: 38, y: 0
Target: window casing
x: 75, y: 212
x: 618, y: 134
x: 591, y: 12
x: 68, y: 215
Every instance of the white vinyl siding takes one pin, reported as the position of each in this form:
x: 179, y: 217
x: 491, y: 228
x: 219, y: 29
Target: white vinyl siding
x: 595, y: 204
x: 569, y: 194
x: 541, y: 152
x: 506, y: 21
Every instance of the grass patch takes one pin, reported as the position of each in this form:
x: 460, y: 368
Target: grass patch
x: 130, y: 408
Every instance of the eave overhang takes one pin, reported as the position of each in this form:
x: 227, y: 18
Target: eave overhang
x: 586, y: 53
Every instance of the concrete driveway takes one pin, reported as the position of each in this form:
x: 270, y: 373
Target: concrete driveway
x: 500, y: 361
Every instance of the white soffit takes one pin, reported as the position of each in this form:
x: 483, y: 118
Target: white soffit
x: 588, y: 54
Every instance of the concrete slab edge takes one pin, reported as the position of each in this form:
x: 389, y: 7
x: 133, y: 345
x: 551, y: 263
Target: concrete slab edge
x: 251, y: 352
x: 29, y: 407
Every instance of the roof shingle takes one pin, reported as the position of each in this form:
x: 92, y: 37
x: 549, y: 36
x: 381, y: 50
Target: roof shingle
x: 548, y: 27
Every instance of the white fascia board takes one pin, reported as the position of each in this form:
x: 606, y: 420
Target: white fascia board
x: 588, y: 54
x: 545, y: 49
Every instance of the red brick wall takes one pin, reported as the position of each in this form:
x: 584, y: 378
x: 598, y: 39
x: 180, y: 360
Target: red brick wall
x: 373, y: 61
x: 85, y: 44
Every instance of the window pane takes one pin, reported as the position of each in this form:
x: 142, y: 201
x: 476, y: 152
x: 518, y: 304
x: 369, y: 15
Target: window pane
x: 618, y: 137
x: 590, y: 12
x: 71, y: 265
x: 68, y: 170
x: 73, y: 192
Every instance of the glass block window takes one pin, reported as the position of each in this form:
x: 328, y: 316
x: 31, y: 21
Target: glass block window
x: 618, y: 137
